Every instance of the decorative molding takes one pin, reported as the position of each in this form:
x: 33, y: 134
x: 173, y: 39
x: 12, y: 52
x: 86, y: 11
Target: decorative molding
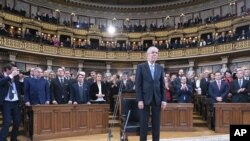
x: 20, y: 46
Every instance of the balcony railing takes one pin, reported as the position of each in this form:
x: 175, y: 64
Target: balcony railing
x: 34, y: 48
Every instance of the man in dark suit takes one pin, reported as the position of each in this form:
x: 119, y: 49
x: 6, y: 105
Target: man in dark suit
x: 239, y: 88
x: 92, y: 78
x: 80, y: 90
x: 184, y: 91
x: 177, y: 80
x: 204, y: 84
x: 60, y: 89
x: 218, y: 89
x: 36, y: 92
x: 218, y: 93
x: 150, y: 93
x: 127, y: 85
x: 10, y: 100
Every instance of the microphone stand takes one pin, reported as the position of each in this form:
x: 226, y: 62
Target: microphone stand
x: 117, y: 101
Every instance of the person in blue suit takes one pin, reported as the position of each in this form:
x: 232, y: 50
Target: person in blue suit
x: 10, y: 100
x: 184, y: 91
x: 150, y: 94
x: 36, y: 92
x: 80, y: 90
x: 218, y: 89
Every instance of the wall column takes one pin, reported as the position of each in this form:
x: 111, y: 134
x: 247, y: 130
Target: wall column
x: 191, y: 66
x: 134, y: 67
x: 80, y: 65
x: 12, y: 57
x: 49, y: 64
x: 224, y: 61
x: 108, y: 67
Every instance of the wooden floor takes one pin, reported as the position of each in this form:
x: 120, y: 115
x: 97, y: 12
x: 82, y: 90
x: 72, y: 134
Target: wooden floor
x: 198, y: 131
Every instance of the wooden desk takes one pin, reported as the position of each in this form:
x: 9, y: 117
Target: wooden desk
x: 177, y: 117
x: 59, y: 121
x: 230, y: 113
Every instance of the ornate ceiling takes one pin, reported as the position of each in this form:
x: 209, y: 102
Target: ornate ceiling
x: 129, y: 2
x: 129, y: 5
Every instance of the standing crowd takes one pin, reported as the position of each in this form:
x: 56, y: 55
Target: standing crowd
x: 47, y: 87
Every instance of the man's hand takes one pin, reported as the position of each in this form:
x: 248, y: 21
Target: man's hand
x: 54, y: 102
x: 219, y: 99
x: 140, y: 105
x: 163, y: 105
x: 27, y: 104
x: 13, y: 74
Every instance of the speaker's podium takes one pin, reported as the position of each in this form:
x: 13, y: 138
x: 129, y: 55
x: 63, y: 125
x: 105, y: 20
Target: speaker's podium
x: 176, y: 117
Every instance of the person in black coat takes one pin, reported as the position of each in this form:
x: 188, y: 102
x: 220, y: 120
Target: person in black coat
x: 204, y: 84
x: 239, y: 88
x: 150, y: 94
x: 80, y: 90
x: 113, y: 90
x: 10, y: 100
x: 184, y: 91
x: 60, y: 89
x: 98, y: 90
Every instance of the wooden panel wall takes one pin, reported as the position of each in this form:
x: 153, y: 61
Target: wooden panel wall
x: 231, y: 113
x: 58, y: 121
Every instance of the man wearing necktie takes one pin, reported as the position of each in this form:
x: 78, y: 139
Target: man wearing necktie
x: 80, y: 90
x: 240, y: 88
x: 246, y: 74
x: 150, y: 94
x: 9, y: 99
x: 218, y: 93
x: 60, y: 89
x: 218, y: 89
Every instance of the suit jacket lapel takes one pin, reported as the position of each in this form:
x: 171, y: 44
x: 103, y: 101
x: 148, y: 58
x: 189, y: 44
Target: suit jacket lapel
x: 60, y: 84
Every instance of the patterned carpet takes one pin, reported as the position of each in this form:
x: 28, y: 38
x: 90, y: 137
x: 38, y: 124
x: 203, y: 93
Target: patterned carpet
x: 201, y: 138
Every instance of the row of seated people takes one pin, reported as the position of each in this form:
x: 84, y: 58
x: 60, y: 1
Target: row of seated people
x: 47, y: 39
x: 128, y: 27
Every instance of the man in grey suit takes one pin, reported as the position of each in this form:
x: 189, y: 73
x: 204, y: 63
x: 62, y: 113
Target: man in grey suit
x: 150, y: 93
